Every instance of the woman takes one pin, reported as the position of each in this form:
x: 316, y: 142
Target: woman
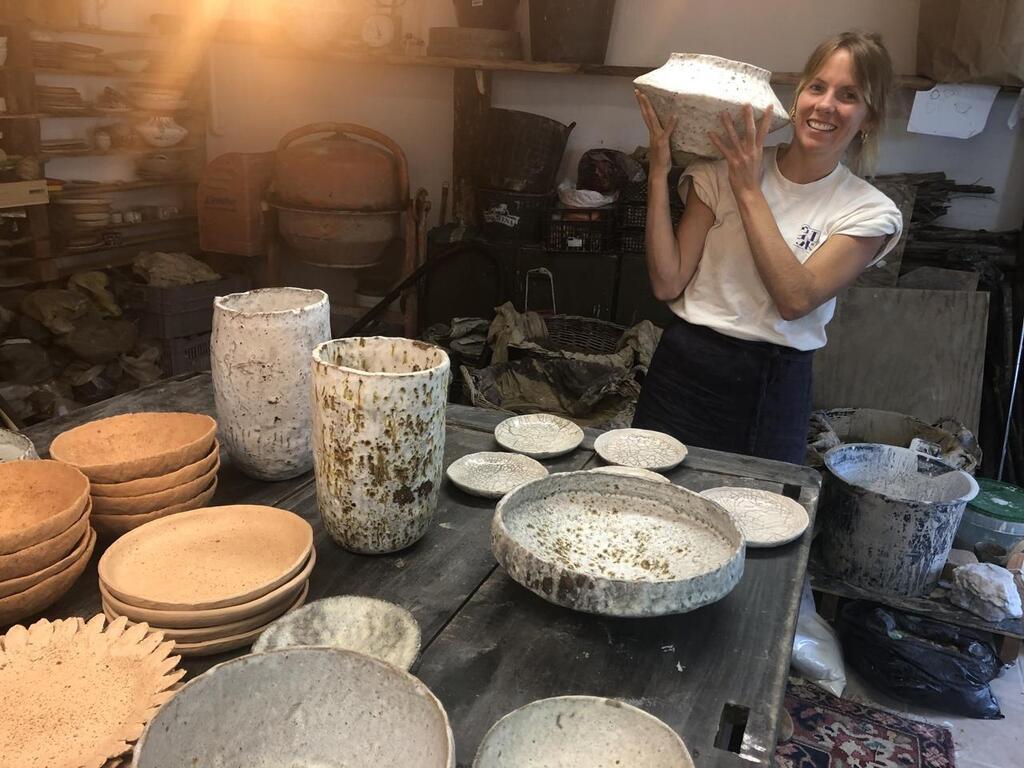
x: 768, y: 237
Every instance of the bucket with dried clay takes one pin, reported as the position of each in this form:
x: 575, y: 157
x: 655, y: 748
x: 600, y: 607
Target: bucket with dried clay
x: 259, y: 356
x: 378, y: 439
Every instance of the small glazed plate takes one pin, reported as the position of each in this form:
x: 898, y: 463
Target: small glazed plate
x: 540, y: 435
x: 643, y: 474
x: 766, y: 519
x: 642, y: 448
x: 492, y: 474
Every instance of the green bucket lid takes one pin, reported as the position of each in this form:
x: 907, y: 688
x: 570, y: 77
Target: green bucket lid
x: 999, y: 500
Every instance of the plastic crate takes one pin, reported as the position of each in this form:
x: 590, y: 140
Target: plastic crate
x: 186, y: 310
x: 562, y: 232
x: 635, y: 214
x: 187, y: 354
x: 632, y: 241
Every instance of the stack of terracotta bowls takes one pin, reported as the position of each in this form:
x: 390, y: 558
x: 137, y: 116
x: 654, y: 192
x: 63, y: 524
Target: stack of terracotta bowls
x: 143, y: 466
x: 45, y: 538
x: 211, y: 579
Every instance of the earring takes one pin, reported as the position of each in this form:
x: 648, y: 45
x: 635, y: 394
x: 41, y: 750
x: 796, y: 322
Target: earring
x: 792, y: 114
x: 864, y: 136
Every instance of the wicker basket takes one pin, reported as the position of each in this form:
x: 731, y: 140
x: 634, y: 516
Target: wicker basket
x: 571, y: 333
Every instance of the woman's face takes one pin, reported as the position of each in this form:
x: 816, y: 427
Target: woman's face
x: 831, y: 108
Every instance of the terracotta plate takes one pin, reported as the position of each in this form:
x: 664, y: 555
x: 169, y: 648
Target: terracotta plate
x: 46, y: 552
x: 571, y: 731
x: 150, y: 502
x: 640, y: 472
x: 208, y: 558
x: 492, y: 474
x: 146, y: 485
x: 44, y: 594
x: 540, y: 435
x: 283, y: 595
x: 20, y: 584
x: 112, y: 526
x: 79, y: 690
x: 766, y: 519
x: 39, y: 499
x: 643, y: 448
x: 135, y: 445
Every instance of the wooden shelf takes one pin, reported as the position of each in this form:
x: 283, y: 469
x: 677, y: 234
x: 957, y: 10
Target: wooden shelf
x: 142, y: 77
x: 16, y: 241
x: 57, y: 153
x: 99, y: 32
x: 89, y: 190
x: 127, y: 113
x: 167, y: 233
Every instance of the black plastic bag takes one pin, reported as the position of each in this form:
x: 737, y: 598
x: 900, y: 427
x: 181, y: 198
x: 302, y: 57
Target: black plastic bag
x: 920, y: 660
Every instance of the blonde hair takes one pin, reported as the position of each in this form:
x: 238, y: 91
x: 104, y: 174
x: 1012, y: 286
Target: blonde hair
x: 873, y: 69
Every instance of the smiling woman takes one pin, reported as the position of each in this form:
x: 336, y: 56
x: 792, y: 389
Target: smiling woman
x: 768, y: 237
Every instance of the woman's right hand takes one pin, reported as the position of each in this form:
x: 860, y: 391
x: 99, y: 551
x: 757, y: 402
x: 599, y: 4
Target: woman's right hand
x: 659, y: 153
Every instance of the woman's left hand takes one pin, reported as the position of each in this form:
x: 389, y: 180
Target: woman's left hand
x: 743, y: 154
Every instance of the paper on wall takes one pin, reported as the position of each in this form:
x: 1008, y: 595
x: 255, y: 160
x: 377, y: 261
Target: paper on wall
x: 957, y: 110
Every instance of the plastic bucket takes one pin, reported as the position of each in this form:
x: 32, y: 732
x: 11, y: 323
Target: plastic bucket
x: 570, y: 30
x: 888, y: 516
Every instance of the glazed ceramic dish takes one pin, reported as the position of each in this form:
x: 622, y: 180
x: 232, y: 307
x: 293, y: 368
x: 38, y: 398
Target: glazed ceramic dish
x: 643, y: 474
x: 216, y: 720
x: 492, y: 474
x: 617, y: 546
x: 13, y: 586
x: 373, y: 627
x: 14, y: 446
x: 150, y: 502
x: 39, y: 500
x: 572, y: 731
x: 764, y: 518
x: 112, y: 526
x: 697, y: 88
x: 135, y: 445
x: 184, y: 619
x: 79, y: 689
x: 46, y: 552
x: 642, y: 448
x: 540, y: 435
x: 44, y: 594
x: 207, y: 558
x: 157, y: 483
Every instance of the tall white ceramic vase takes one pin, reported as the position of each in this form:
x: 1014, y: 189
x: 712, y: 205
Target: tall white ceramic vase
x: 259, y: 356
x: 378, y: 439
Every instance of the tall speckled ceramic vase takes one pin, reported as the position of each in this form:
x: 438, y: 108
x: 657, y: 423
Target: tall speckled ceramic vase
x: 259, y: 356
x: 378, y: 439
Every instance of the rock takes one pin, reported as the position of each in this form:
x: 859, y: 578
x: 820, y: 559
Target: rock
x: 986, y: 590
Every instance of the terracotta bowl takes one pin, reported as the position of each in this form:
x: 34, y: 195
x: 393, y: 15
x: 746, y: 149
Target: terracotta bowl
x: 150, y: 502
x: 157, y: 483
x: 207, y: 558
x: 112, y: 526
x: 44, y: 594
x: 46, y: 552
x: 324, y: 692
x: 14, y: 586
x: 39, y: 500
x: 135, y: 445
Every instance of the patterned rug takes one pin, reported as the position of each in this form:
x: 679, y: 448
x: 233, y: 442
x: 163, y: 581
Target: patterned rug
x: 835, y: 733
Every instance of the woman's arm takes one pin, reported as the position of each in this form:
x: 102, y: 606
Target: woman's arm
x: 672, y: 257
x: 796, y: 288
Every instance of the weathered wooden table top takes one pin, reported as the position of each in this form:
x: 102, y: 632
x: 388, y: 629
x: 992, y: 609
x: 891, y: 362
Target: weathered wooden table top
x: 716, y: 675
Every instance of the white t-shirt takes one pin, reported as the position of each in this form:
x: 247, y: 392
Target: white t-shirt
x: 726, y: 292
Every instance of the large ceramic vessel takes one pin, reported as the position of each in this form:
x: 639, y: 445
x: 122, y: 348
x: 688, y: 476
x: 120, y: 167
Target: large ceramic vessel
x: 259, y: 355
x: 378, y: 439
x: 698, y: 88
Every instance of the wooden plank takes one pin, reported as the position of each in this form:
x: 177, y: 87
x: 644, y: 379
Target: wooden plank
x: 471, y: 99
x: 916, y: 352
x: 886, y: 273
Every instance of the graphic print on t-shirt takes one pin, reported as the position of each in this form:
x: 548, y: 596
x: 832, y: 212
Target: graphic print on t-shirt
x: 808, y: 238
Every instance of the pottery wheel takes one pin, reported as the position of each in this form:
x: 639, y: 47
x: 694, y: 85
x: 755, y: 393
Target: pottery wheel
x: 766, y: 519
x: 492, y: 474
x: 540, y: 435
x: 642, y: 448
x: 617, y: 546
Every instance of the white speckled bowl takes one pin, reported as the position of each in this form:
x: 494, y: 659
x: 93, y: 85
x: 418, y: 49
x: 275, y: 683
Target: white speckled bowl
x: 698, y: 87
x: 572, y: 731
x: 14, y: 446
x: 310, y: 707
x: 617, y: 546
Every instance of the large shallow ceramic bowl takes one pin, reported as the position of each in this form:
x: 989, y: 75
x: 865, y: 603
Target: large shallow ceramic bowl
x: 697, y: 88
x: 300, y: 706
x: 571, y: 731
x: 617, y: 546
x: 157, y: 483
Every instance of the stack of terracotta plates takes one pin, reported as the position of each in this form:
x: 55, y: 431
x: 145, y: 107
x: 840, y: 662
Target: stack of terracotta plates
x: 211, y: 579
x: 45, y: 538
x: 143, y: 466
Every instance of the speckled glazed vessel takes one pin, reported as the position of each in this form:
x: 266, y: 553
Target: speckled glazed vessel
x: 259, y: 357
x: 698, y: 87
x: 378, y: 439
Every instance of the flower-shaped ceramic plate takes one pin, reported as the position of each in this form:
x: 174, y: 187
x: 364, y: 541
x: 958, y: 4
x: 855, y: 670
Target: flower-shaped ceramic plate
x: 540, y: 435
x: 766, y: 519
x: 642, y: 448
x: 492, y: 474
x: 77, y: 693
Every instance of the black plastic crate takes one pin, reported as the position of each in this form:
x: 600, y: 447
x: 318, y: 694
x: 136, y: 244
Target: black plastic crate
x: 187, y: 354
x: 632, y: 241
x: 568, y: 230
x: 170, y: 313
x: 635, y: 214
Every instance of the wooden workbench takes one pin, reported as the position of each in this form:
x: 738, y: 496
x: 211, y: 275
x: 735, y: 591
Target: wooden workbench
x: 716, y: 675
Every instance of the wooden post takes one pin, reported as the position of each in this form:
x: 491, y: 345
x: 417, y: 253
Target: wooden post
x: 472, y: 99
